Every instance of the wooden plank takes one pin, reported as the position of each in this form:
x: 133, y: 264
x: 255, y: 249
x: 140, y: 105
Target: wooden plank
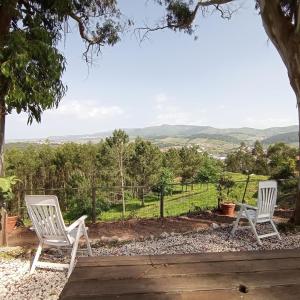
x: 183, y: 258
x: 198, y: 295
x: 113, y: 261
x: 277, y: 292
x: 206, y: 282
x: 155, y: 271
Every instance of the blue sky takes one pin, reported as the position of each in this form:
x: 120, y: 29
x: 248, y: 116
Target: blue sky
x: 230, y: 77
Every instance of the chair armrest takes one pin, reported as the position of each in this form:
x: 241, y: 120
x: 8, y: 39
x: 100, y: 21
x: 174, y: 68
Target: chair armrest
x: 247, y: 206
x: 76, y: 223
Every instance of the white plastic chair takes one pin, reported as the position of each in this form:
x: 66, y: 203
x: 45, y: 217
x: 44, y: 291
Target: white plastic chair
x: 46, y: 217
x: 263, y: 212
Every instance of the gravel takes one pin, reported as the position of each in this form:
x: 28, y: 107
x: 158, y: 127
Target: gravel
x: 16, y: 283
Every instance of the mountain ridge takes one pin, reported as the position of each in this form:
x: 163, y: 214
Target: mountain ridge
x: 215, y: 140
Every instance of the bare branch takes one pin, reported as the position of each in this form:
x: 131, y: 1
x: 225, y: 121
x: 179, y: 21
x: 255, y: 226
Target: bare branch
x: 214, y: 2
x: 226, y: 12
x: 91, y: 40
x: 147, y: 30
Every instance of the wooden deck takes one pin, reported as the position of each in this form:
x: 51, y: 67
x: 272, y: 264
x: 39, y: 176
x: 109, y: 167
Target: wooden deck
x: 232, y: 275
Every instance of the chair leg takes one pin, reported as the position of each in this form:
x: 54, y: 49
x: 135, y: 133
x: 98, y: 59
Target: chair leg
x: 74, y: 251
x: 275, y: 229
x: 236, y: 222
x: 254, y: 231
x: 36, y: 257
x: 89, y: 249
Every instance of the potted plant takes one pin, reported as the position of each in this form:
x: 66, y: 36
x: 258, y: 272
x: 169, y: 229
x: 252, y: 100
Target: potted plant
x: 6, y: 194
x: 225, y: 204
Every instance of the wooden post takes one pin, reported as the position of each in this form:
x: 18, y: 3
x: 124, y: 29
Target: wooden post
x: 94, y: 217
x: 3, y: 236
x: 162, y: 202
x: 143, y: 199
x: 247, y: 182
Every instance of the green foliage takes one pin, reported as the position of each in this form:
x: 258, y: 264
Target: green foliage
x: 172, y: 161
x: 144, y: 161
x: 31, y: 68
x: 191, y: 159
x: 180, y: 14
x: 6, y: 187
x: 241, y: 160
x: 209, y: 171
x: 282, y: 160
x: 165, y: 181
x: 278, y: 161
x: 79, y: 206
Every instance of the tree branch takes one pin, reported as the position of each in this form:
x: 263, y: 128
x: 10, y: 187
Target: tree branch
x: 185, y: 24
x: 91, y: 41
x: 213, y: 2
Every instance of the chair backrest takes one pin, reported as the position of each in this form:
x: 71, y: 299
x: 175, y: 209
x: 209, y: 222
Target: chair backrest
x: 267, y: 196
x: 45, y: 214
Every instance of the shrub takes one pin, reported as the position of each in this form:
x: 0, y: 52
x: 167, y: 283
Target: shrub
x: 83, y: 206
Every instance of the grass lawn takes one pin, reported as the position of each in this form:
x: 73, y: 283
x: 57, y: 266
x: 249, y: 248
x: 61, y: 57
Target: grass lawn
x: 184, y: 200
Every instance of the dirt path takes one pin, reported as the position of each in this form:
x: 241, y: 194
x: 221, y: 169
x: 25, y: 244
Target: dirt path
x: 137, y: 228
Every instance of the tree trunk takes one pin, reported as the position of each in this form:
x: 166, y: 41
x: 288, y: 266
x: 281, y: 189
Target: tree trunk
x: 3, y: 213
x: 122, y: 183
x: 285, y: 37
x: 2, y: 133
x: 297, y: 208
x: 7, y: 10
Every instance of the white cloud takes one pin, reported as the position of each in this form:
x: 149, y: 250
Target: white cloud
x: 167, y: 111
x: 87, y: 110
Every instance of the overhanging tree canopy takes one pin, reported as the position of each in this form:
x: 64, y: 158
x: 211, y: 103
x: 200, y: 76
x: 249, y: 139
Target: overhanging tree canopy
x: 31, y: 65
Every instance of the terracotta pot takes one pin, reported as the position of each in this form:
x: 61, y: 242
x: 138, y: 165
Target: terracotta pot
x: 228, y: 209
x: 11, y: 223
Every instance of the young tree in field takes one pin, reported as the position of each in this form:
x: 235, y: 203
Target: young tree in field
x: 165, y: 181
x: 281, y: 22
x: 31, y: 65
x: 144, y: 164
x: 260, y: 159
x: 118, y: 144
x: 106, y: 165
x: 190, y: 163
x: 241, y: 160
x: 171, y: 160
x: 209, y: 171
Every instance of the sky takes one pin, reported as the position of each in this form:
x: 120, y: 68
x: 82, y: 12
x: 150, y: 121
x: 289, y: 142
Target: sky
x: 231, y: 76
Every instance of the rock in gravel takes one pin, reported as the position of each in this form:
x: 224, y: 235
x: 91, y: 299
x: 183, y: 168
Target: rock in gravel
x: 164, y: 235
x: 215, y: 225
x: 115, y: 239
x: 104, y: 239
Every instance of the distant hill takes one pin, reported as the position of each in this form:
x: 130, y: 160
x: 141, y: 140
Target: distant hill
x: 288, y: 138
x: 211, y: 139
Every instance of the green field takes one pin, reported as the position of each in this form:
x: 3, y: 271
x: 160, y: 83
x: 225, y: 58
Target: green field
x: 183, y: 200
